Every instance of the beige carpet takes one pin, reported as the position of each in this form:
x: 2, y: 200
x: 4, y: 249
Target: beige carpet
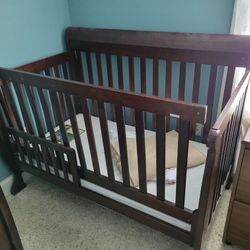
x: 49, y: 218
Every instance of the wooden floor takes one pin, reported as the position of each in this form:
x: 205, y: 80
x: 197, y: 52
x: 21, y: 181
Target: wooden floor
x: 49, y: 217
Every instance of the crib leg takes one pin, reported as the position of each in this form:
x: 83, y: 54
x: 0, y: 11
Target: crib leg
x: 230, y: 179
x: 18, y: 183
x: 229, y: 182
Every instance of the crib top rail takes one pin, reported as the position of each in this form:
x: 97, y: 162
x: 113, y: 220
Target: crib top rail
x: 224, y: 118
x: 203, y: 48
x: 174, y: 40
x: 195, y: 113
x: 46, y: 63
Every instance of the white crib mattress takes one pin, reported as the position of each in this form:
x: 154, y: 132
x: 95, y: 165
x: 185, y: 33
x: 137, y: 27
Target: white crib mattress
x: 193, y: 182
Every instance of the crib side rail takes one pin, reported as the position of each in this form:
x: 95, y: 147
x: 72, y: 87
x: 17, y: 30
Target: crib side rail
x: 222, y: 143
x: 56, y: 65
x: 196, y: 113
x: 20, y: 84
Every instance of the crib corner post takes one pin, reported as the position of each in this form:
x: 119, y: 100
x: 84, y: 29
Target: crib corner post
x: 201, y: 215
x: 230, y: 179
x: 196, y: 235
x: 18, y: 183
x: 6, y: 152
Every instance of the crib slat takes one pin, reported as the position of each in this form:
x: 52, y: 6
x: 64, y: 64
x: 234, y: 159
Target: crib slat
x: 229, y: 143
x: 37, y: 156
x: 131, y: 74
x: 140, y: 142
x: 23, y: 108
x: 54, y: 161
x: 168, y: 78
x: 91, y: 79
x: 143, y: 82
x: 155, y: 77
x: 45, y: 158
x: 62, y: 105
x: 183, y: 142
x: 5, y: 109
x: 238, y: 121
x: 34, y: 111
x: 227, y: 137
x: 168, y: 88
x: 74, y: 171
x: 65, y: 71
x: 90, y: 134
x: 20, y: 150
x: 228, y: 150
x: 210, y: 99
x: 160, y: 156
x: 28, y: 151
x: 120, y: 75
x: 229, y: 85
x: 58, y: 113
x: 56, y: 71
x: 122, y: 144
x: 99, y: 69
x: 182, y: 81
x: 75, y: 129
x: 109, y: 71
x: 143, y: 75
x: 233, y: 144
x: 50, y: 108
x: 106, y: 140
x: 63, y: 166
x: 131, y: 85
x: 47, y: 115
x: 110, y: 81
x: 47, y: 72
x: 155, y: 84
x: 232, y: 132
x: 7, y: 93
x: 79, y: 67
x: 196, y: 85
x: 89, y: 67
x: 222, y: 155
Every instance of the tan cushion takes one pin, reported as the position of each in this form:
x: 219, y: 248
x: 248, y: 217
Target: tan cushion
x: 195, y: 157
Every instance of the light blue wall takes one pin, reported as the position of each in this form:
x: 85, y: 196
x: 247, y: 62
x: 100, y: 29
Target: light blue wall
x: 205, y: 16
x: 30, y: 30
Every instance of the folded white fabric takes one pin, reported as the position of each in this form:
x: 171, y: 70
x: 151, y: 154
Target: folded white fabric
x: 170, y: 176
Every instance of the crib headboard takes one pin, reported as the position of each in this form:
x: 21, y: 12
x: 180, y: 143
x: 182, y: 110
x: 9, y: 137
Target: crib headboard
x: 181, y: 66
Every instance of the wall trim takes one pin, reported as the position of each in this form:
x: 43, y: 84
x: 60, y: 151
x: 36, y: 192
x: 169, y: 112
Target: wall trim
x: 7, y: 183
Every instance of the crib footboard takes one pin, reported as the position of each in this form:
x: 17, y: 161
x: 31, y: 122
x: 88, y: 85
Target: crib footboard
x: 222, y: 143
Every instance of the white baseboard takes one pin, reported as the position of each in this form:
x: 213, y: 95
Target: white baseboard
x: 7, y: 182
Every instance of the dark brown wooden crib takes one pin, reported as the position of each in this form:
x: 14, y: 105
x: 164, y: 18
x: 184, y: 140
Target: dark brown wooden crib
x: 132, y: 79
